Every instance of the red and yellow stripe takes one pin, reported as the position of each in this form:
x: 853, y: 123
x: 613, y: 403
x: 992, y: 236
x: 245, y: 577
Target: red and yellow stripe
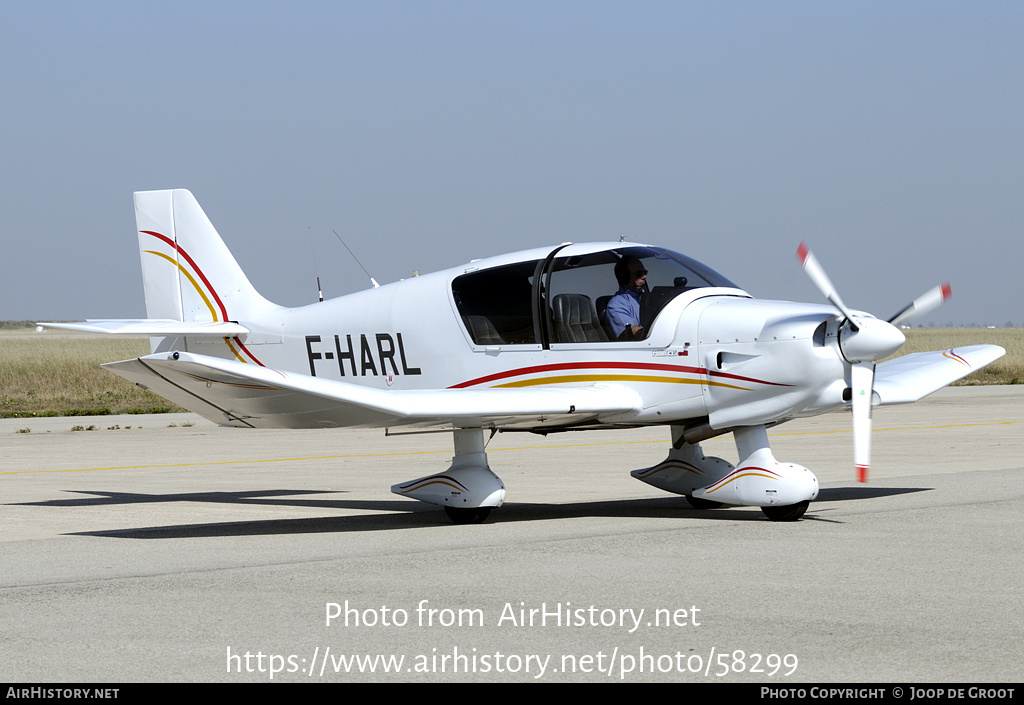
x: 671, y: 464
x: 748, y: 471
x: 445, y: 480
x: 587, y: 372
x: 230, y: 342
x: 956, y: 358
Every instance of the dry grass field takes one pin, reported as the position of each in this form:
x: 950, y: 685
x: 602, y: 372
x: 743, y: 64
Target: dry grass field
x: 59, y: 374
x: 55, y: 374
x: 1008, y: 369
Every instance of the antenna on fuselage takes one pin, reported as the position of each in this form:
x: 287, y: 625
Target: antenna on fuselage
x: 316, y: 270
x: 372, y: 280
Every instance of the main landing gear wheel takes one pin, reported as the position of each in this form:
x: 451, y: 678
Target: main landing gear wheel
x: 787, y: 512
x: 698, y: 503
x: 460, y: 515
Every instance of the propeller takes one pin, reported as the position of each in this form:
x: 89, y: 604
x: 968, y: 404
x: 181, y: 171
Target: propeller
x: 925, y: 303
x: 817, y: 274
x: 863, y: 341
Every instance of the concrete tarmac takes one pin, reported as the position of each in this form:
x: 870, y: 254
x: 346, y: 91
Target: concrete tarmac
x: 163, y: 548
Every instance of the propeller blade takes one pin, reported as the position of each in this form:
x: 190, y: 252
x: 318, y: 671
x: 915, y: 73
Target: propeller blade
x: 862, y: 378
x: 926, y: 302
x: 817, y: 274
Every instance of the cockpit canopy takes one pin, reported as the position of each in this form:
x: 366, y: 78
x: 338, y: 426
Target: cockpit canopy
x: 563, y: 298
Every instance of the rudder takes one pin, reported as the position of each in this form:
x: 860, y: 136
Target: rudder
x: 187, y: 271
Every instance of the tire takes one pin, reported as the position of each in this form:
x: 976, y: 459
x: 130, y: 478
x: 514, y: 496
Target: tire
x: 475, y: 515
x: 786, y: 512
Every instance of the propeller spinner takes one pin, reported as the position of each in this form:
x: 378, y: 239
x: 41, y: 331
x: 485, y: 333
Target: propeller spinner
x: 863, y: 341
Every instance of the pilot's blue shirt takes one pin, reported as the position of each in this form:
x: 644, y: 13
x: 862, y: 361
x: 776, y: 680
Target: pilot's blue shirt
x: 623, y: 310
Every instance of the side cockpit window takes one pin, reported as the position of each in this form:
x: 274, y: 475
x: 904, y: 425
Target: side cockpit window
x: 496, y: 304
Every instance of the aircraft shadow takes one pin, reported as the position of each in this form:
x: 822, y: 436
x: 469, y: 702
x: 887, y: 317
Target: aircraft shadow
x: 402, y: 514
x: 843, y: 494
x: 95, y: 498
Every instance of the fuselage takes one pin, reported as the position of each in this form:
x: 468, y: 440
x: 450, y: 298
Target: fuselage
x: 706, y: 349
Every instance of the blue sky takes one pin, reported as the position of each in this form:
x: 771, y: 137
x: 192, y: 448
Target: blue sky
x: 887, y: 135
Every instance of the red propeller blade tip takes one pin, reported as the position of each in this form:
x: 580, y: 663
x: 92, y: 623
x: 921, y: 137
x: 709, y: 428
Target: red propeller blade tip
x: 947, y: 291
x: 802, y: 251
x: 862, y: 473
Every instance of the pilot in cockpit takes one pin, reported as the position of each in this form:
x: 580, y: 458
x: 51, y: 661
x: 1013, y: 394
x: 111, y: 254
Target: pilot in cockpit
x: 622, y: 313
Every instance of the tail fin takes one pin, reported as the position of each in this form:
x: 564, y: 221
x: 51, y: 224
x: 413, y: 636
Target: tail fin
x: 188, y: 273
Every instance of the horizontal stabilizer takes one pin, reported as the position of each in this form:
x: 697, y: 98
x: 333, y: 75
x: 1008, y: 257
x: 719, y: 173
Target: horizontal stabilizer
x: 154, y: 327
x: 911, y: 377
x: 237, y: 394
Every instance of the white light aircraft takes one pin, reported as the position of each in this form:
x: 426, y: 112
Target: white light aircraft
x: 524, y: 342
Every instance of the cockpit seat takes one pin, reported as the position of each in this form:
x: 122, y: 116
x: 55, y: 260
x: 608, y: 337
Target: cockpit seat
x: 576, y: 320
x: 482, y: 330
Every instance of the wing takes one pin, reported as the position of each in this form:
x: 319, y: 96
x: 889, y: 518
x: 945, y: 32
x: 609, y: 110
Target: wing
x: 232, y: 393
x: 154, y: 327
x: 911, y: 377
